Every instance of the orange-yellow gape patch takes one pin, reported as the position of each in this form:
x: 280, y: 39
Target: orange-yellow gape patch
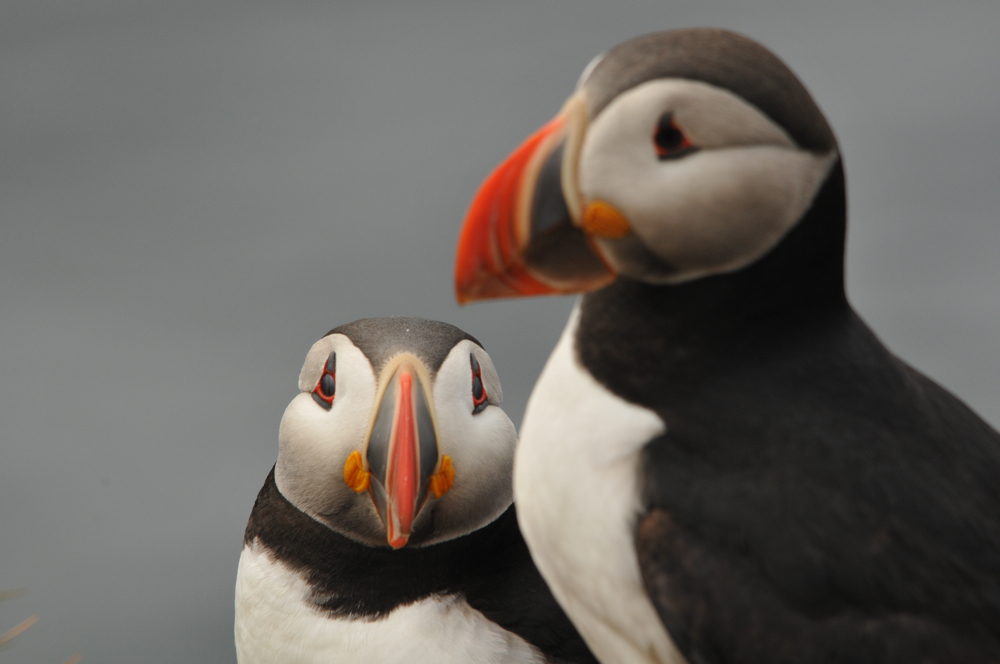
x: 442, y: 480
x: 355, y: 474
x: 604, y: 220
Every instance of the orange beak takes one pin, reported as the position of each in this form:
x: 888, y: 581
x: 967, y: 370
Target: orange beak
x: 402, y: 450
x: 402, y: 472
x: 521, y: 234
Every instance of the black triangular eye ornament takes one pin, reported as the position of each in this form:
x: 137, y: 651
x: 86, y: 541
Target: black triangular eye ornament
x: 669, y: 141
x: 326, y: 387
x: 479, y: 396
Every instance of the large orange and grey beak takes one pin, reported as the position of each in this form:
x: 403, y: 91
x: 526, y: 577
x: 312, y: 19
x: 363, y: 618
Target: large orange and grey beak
x: 523, y: 232
x: 402, y: 452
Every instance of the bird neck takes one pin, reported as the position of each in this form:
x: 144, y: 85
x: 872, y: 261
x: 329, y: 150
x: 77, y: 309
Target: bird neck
x: 638, y: 338
x: 801, y: 276
x: 352, y: 579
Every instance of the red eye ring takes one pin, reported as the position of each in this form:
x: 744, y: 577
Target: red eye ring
x: 326, y: 386
x: 479, y: 396
x: 669, y: 141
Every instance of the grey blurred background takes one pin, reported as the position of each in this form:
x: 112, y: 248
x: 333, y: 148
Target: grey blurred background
x: 191, y: 193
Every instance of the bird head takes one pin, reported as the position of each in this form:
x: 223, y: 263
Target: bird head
x: 397, y: 436
x: 680, y: 155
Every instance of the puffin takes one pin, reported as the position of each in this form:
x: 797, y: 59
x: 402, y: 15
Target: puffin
x: 385, y: 531
x: 720, y: 462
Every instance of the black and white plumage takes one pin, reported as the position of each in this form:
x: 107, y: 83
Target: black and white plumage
x: 720, y: 462
x: 361, y: 548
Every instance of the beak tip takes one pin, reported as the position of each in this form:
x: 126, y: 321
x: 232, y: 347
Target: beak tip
x: 462, y: 288
x: 473, y: 273
x: 399, y: 541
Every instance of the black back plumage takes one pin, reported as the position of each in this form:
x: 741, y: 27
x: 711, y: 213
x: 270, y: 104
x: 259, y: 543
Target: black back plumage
x: 814, y: 499
x: 491, y: 568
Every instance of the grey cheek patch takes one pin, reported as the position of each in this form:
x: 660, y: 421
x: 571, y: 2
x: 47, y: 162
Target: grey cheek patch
x: 556, y: 248
x: 377, y: 455
x: 428, y: 444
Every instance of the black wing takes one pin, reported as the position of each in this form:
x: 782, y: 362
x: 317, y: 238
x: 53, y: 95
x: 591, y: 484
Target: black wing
x: 817, y: 500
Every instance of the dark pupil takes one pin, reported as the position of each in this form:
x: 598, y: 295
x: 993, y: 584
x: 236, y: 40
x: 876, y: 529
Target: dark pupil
x: 477, y: 388
x: 667, y: 135
x: 327, y: 385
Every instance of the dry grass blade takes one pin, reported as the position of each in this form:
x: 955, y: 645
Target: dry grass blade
x: 13, y: 593
x: 28, y: 622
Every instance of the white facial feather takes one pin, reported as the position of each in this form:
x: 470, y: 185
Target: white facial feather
x: 314, y: 443
x: 481, y: 445
x: 712, y: 211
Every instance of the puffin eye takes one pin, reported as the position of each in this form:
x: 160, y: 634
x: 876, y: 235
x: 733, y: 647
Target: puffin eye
x: 326, y: 387
x: 479, y: 396
x: 669, y: 141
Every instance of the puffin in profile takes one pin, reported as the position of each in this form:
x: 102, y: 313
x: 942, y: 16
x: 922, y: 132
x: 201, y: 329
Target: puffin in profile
x: 385, y: 532
x: 720, y: 461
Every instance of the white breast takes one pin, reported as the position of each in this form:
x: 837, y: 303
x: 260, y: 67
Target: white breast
x: 275, y: 624
x: 575, y: 485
